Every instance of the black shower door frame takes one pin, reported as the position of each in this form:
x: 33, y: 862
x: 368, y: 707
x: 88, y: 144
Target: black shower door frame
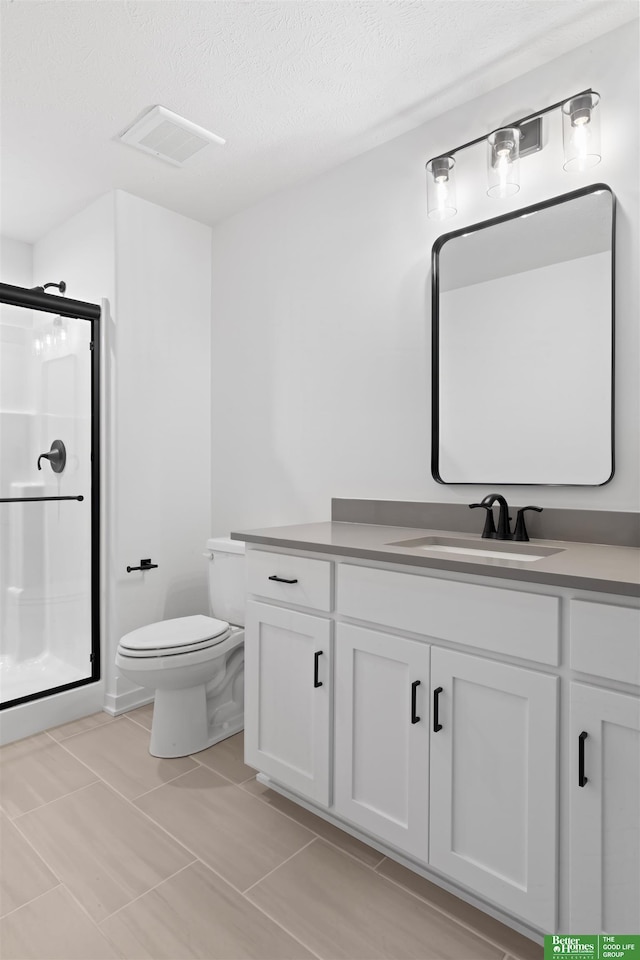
x: 76, y: 310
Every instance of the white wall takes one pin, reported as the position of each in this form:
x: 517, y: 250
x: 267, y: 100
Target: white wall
x: 321, y: 309
x: 162, y: 409
x: 16, y: 262
x: 154, y: 268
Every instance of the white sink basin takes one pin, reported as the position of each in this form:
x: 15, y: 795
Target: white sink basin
x: 484, y: 549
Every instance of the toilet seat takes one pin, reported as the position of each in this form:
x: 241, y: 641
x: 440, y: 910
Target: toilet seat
x: 169, y: 638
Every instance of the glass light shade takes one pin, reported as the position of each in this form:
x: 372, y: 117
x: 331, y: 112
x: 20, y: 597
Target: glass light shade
x: 503, y: 162
x: 581, y: 132
x: 441, y: 189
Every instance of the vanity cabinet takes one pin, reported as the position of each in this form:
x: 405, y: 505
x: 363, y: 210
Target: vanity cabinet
x: 382, y: 736
x: 605, y: 770
x: 605, y: 810
x: 436, y: 730
x: 493, y: 782
x: 288, y: 671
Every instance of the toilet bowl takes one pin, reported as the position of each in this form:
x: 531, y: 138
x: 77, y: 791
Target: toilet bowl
x: 195, y: 664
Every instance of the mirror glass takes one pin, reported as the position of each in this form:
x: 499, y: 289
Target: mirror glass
x: 523, y: 346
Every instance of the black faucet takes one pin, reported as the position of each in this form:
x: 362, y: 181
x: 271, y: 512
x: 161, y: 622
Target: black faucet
x: 504, y: 529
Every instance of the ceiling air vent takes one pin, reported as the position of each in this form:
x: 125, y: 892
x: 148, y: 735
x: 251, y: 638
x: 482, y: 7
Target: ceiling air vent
x: 165, y: 134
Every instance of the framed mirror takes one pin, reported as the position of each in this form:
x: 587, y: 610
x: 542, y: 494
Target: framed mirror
x: 523, y: 314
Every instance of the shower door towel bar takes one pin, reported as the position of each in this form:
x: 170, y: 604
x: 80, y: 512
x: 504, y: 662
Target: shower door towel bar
x: 35, y: 499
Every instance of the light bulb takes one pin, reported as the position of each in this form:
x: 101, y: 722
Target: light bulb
x: 581, y: 132
x: 441, y: 190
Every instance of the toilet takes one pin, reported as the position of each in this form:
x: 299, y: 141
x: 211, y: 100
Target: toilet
x: 195, y: 664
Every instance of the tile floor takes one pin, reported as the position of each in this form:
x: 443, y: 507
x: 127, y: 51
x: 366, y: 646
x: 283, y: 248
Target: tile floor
x: 107, y: 852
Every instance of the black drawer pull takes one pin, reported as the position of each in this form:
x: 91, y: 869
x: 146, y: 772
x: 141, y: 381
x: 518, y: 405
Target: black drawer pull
x: 316, y: 657
x: 581, y: 777
x: 414, y: 687
x: 436, y: 725
x: 282, y: 579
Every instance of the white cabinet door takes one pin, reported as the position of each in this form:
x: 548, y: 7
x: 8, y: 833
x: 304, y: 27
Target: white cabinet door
x: 605, y: 811
x: 493, y: 782
x: 288, y: 697
x: 382, y: 736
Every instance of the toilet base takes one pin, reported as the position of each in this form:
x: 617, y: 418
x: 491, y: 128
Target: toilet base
x: 191, y: 719
x: 181, y: 726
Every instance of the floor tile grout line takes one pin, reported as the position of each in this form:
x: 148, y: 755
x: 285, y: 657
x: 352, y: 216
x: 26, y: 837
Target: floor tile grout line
x: 145, y: 892
x: 319, y: 835
x: 98, y: 726
x: 9, y: 913
x: 449, y: 916
x: 256, y: 882
x: 278, y: 923
x: 55, y: 800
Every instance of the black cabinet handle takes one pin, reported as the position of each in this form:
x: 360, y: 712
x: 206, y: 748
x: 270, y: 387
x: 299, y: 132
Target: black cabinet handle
x: 282, y: 579
x: 436, y: 693
x: 581, y: 777
x: 414, y: 717
x: 316, y: 682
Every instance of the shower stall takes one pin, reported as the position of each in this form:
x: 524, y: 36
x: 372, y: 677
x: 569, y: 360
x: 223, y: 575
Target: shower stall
x: 49, y: 495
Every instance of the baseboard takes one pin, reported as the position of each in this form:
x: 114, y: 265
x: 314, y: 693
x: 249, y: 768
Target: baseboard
x: 123, y: 702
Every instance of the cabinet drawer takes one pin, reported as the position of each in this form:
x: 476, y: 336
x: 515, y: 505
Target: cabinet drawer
x: 605, y: 640
x: 312, y: 586
x: 504, y: 621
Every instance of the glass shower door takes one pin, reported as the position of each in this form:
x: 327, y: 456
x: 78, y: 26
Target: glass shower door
x: 48, y: 551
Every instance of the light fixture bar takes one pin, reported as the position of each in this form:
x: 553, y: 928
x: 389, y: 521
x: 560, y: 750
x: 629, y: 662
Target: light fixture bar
x: 515, y: 123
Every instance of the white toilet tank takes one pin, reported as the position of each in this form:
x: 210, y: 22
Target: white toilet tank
x: 227, y: 579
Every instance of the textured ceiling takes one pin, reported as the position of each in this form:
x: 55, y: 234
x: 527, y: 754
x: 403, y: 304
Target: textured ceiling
x: 294, y: 87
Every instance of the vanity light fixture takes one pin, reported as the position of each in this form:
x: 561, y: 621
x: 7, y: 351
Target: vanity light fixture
x: 507, y: 145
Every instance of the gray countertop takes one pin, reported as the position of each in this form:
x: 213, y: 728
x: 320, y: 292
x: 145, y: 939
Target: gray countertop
x: 585, y: 566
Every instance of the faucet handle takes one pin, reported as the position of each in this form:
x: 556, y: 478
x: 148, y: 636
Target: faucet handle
x: 489, y: 532
x: 520, y: 532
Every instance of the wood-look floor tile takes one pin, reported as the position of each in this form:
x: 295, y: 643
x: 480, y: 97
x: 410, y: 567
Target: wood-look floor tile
x: 35, y: 771
x: 142, y: 715
x: 342, y: 909
x: 235, y: 833
x: 227, y: 758
x: 80, y: 726
x: 196, y: 914
x: 506, y: 938
x: 319, y: 826
x: 23, y: 875
x: 119, y: 753
x: 53, y: 927
x: 121, y: 854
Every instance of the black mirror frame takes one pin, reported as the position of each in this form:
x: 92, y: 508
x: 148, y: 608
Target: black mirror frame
x: 435, y: 335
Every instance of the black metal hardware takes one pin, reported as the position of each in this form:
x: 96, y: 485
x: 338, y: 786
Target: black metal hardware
x: 414, y: 687
x: 144, y: 565
x: 489, y: 532
x: 35, y: 499
x: 520, y: 532
x: 45, y: 286
x: 57, y: 456
x: 504, y: 530
x: 436, y: 724
x: 282, y: 579
x: 581, y: 777
x: 316, y: 657
x: 48, y: 302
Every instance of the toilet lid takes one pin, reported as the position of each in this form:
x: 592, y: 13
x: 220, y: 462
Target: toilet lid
x: 173, y: 636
